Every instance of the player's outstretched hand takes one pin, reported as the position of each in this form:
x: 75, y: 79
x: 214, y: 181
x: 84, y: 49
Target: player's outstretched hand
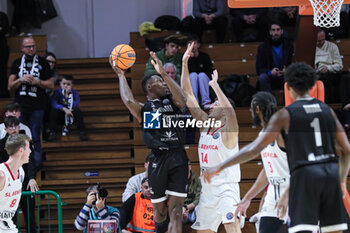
x: 33, y: 186
x: 242, y: 208
x: 158, y: 65
x: 118, y: 71
x: 214, y: 78
x: 188, y: 52
x: 282, y: 205
x: 210, y: 173
x: 100, y: 202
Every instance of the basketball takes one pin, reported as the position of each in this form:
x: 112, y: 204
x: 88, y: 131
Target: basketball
x: 123, y: 56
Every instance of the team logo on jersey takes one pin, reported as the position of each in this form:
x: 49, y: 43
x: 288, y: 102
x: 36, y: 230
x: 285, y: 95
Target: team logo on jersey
x: 229, y: 215
x: 151, y: 120
x: 21, y: 178
x: 272, y: 144
x: 216, y: 135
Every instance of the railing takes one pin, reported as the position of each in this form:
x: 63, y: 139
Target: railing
x: 59, y: 209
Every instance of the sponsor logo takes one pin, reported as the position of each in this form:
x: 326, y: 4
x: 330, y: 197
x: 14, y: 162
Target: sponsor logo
x: 216, y: 135
x: 151, y: 120
x: 269, y: 155
x: 229, y: 215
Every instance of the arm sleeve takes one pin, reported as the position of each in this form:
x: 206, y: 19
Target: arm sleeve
x: 150, y: 68
x: 131, y: 188
x: 337, y: 61
x: 220, y: 8
x: 127, y: 211
x: 54, y: 101
x: 81, y: 220
x: 76, y: 99
x: 46, y: 72
x: 31, y: 164
x: 196, y: 10
x: 14, y: 67
x: 104, y: 215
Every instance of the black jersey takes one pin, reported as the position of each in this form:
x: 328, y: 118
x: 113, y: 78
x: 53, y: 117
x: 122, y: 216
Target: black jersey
x: 311, y: 134
x: 163, y: 138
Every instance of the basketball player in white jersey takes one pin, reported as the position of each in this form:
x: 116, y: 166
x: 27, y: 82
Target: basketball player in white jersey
x: 275, y: 172
x: 218, y: 199
x: 11, y: 179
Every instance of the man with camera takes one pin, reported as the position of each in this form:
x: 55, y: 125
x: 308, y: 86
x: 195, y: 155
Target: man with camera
x: 95, y: 208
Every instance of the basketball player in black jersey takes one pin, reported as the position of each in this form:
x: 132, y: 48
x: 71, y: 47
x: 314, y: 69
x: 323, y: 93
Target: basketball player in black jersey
x: 168, y: 169
x: 311, y: 130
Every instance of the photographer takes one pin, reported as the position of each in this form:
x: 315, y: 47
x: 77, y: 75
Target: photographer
x: 95, y: 208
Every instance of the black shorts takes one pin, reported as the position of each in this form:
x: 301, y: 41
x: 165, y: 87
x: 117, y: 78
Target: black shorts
x: 168, y: 174
x: 315, y: 195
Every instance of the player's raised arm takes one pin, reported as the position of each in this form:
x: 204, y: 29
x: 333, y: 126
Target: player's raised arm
x: 231, y: 118
x: 125, y: 92
x: 178, y: 95
x: 278, y: 122
x: 191, y: 100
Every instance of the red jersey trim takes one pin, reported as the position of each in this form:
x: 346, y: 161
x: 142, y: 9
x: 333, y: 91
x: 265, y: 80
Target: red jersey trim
x: 13, y: 178
x: 214, y: 130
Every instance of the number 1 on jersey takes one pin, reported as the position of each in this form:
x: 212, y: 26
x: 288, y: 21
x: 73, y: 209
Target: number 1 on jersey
x: 315, y: 124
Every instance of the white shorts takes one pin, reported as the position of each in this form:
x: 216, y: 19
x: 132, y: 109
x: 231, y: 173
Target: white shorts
x: 216, y: 205
x: 271, y: 199
x: 7, y: 227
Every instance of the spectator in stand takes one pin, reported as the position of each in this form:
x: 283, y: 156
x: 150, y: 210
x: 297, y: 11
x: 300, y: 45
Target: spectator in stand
x: 210, y: 14
x: 200, y: 67
x: 14, y: 109
x: 12, y: 127
x: 51, y: 59
x: 192, y: 199
x: 4, y: 55
x: 137, y: 212
x: 288, y: 17
x: 170, y: 69
x: 328, y: 65
x: 274, y: 55
x: 65, y: 104
x: 30, y: 76
x: 169, y: 54
x: 249, y: 18
x: 135, y: 182
x: 95, y: 208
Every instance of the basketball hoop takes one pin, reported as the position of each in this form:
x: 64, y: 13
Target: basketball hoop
x: 326, y: 12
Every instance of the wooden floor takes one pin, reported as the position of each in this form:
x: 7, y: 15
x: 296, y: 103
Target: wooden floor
x: 115, y: 150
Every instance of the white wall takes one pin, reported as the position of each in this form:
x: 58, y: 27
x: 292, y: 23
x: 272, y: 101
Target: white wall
x: 91, y: 28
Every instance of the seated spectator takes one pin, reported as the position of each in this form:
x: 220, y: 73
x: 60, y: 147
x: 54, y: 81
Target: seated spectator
x: 65, y: 103
x: 14, y: 109
x: 95, y: 208
x: 135, y: 182
x: 12, y: 127
x: 343, y: 30
x: 249, y: 18
x: 51, y: 59
x: 192, y: 199
x: 169, y: 54
x: 200, y: 67
x: 328, y: 64
x: 170, y: 69
x: 274, y: 55
x: 210, y: 14
x: 137, y: 212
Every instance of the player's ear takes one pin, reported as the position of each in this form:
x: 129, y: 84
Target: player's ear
x: 257, y: 109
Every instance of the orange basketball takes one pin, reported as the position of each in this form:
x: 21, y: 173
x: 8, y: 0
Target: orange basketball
x: 123, y: 56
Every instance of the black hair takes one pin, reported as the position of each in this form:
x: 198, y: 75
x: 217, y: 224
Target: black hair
x: 14, y: 106
x: 275, y: 22
x: 144, y: 180
x: 267, y: 104
x: 50, y: 54
x: 192, y: 37
x: 301, y: 77
x: 11, y: 121
x: 172, y: 39
x: 68, y: 77
x: 145, y: 80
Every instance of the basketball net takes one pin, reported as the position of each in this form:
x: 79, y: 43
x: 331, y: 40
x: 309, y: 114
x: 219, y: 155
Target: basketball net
x: 326, y: 12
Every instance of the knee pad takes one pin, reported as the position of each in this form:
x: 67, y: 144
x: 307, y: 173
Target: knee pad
x: 162, y: 227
